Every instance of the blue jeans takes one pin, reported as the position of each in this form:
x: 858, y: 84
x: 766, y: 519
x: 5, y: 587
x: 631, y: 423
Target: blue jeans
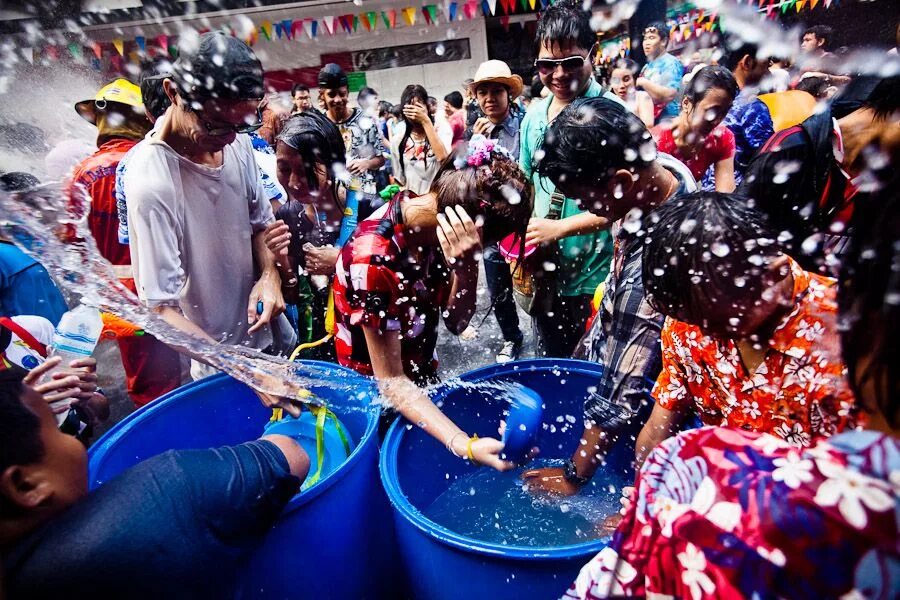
x: 499, y: 282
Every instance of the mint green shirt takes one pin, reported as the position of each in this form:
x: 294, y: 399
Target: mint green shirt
x: 584, y: 259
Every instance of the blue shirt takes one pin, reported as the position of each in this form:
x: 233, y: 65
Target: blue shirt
x: 750, y: 122
x: 666, y: 71
x: 26, y: 287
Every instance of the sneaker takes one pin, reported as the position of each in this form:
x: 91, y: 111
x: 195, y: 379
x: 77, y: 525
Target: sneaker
x: 509, y: 352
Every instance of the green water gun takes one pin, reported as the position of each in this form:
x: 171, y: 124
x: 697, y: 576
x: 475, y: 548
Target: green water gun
x: 389, y: 192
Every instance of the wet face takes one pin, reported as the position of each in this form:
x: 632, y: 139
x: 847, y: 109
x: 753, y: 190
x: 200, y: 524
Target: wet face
x: 595, y: 199
x: 336, y: 101
x: 302, y: 100
x: 567, y: 79
x: 653, y: 43
x: 493, y: 98
x: 622, y: 81
x: 292, y: 177
x: 706, y: 115
x: 810, y: 42
x: 212, y: 127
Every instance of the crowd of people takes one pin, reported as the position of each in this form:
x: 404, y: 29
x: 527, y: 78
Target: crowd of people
x: 724, y: 246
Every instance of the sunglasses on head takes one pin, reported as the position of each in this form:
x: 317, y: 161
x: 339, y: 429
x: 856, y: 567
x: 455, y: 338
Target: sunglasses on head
x: 571, y: 63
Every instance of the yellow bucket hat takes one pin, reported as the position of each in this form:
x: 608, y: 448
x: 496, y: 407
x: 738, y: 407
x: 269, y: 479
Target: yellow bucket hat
x: 120, y: 90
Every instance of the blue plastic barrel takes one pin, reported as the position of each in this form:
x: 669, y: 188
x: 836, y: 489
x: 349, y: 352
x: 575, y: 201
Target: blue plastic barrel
x: 333, y: 540
x: 415, y: 469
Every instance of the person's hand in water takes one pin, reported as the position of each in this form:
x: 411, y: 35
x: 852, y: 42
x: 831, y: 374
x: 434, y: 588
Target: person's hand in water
x: 611, y: 522
x: 549, y: 480
x: 278, y: 238
x: 321, y: 260
x: 291, y: 407
x: 485, y: 451
x: 268, y: 291
x: 459, y: 238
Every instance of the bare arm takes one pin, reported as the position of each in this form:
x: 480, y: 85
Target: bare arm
x: 660, y: 93
x: 460, y: 244
x: 724, y: 171
x: 267, y: 289
x: 545, y: 231
x: 645, y: 108
x: 661, y: 425
x: 434, y: 140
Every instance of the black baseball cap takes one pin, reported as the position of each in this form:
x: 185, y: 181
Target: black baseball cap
x: 332, y: 77
x: 220, y: 66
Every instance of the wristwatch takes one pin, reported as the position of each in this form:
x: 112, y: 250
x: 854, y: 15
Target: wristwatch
x: 570, y: 472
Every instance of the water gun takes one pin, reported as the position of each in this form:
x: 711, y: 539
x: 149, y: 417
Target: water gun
x: 114, y: 327
x: 389, y: 192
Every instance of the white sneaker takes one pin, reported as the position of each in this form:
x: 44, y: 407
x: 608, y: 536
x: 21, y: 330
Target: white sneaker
x: 509, y: 352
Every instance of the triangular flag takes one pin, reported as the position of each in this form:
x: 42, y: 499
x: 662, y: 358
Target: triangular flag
x: 372, y: 17
x: 426, y: 15
x: 119, y: 45
x: 812, y: 4
x: 800, y: 4
x: 355, y: 23
x: 433, y: 12
x: 287, y: 26
x: 531, y: 4
x: 28, y: 54
x: 279, y: 30
x: 524, y: 4
x: 52, y: 52
x: 451, y: 12
x: 492, y: 5
x: 265, y: 28
x: 346, y: 23
x: 308, y: 27
x: 162, y: 40
x: 504, y: 20
x: 141, y: 43
x: 386, y: 20
x: 97, y: 49
x: 365, y: 23
x: 470, y: 9
x: 409, y: 15
x: 328, y: 23
x: 315, y: 28
x: 75, y: 50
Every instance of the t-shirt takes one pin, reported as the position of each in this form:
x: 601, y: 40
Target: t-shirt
x: 26, y: 287
x: 190, y: 228
x: 380, y: 284
x: 174, y: 526
x: 718, y: 145
x: 457, y: 122
x: 20, y: 352
x: 420, y: 165
x: 362, y: 140
x: 666, y: 71
x: 583, y: 259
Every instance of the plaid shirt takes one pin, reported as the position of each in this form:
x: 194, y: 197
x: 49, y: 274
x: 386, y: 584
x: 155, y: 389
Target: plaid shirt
x: 624, y: 336
x: 380, y: 284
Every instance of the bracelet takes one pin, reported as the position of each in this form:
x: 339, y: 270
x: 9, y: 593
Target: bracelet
x: 450, y: 443
x: 469, y: 447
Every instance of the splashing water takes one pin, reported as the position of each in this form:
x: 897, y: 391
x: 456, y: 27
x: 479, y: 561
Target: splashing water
x: 32, y: 219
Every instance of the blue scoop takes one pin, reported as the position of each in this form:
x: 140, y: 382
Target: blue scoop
x: 523, y: 423
x: 308, y: 429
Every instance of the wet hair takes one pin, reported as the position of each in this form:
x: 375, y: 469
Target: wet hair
x: 17, y: 181
x: 497, y: 190
x: 565, y: 23
x: 298, y: 87
x: 884, y: 99
x: 20, y: 429
x: 384, y: 108
x: 316, y: 139
x: 869, y: 311
x: 659, y: 27
x: 626, y: 63
x: 822, y: 32
x: 220, y: 66
x: 734, y: 49
x: 154, y: 95
x: 705, y: 249
x: 332, y: 77
x: 815, y: 86
x: 454, y: 99
x: 591, y: 139
x: 410, y: 93
x: 709, y: 78
x: 364, y: 94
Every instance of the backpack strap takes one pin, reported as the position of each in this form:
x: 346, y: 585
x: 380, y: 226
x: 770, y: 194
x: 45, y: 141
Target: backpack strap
x: 24, y: 335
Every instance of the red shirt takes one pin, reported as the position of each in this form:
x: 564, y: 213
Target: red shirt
x: 379, y: 283
x: 457, y: 122
x: 717, y: 146
x: 96, y: 177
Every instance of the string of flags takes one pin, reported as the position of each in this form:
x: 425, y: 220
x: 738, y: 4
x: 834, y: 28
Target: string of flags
x: 692, y: 24
x: 773, y: 7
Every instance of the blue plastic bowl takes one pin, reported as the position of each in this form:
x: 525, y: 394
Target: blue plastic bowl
x: 332, y: 541
x: 415, y: 469
x: 523, y: 423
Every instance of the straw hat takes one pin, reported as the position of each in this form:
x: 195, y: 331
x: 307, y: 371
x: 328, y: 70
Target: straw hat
x: 497, y: 71
x: 120, y: 90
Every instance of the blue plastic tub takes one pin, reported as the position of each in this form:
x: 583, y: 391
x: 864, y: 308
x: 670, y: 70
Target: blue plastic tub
x: 415, y: 469
x: 332, y: 541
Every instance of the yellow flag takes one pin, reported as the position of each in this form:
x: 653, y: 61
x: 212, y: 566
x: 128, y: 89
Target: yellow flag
x: 119, y: 45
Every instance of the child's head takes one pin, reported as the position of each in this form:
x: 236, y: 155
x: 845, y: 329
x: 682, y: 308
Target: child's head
x: 310, y: 153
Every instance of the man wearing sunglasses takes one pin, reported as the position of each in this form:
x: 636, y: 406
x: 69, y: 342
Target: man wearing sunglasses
x: 197, y: 209
x: 566, y: 47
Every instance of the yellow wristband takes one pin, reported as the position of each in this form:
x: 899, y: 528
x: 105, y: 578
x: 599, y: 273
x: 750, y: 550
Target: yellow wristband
x: 469, y: 447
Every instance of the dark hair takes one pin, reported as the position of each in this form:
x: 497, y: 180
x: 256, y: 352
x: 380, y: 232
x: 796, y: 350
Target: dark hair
x: 815, y: 86
x: 566, y: 23
x: 316, y: 139
x: 332, y: 77
x: 298, y: 87
x: 397, y: 111
x: 384, y: 108
x: 364, y: 94
x: 884, y: 99
x: 869, y: 314
x: 454, y: 99
x: 220, y: 66
x: 708, y: 78
x: 20, y: 429
x: 537, y: 86
x: 154, y: 95
x: 497, y: 190
x: 17, y: 181
x: 591, y: 139
x: 734, y: 49
x: 410, y: 93
x: 659, y: 27
x: 626, y: 63
x: 706, y: 249
x: 822, y: 32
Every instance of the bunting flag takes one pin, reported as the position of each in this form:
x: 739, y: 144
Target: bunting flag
x: 97, y: 49
x: 119, y: 45
x: 279, y: 30
x: 266, y: 29
x: 346, y: 23
x: 296, y: 28
x: 504, y: 20
x: 162, y: 40
x: 355, y: 23
x: 451, y: 12
x: 524, y: 4
x: 431, y: 13
x: 544, y: 4
x: 372, y: 18
x: 531, y: 4
x: 75, y: 50
x: 365, y: 22
x: 28, y: 54
x: 328, y: 23
x: 470, y: 9
x: 409, y: 15
x: 141, y: 43
x: 287, y: 26
x: 52, y: 52
x: 492, y: 6
x: 812, y: 4
x: 308, y: 27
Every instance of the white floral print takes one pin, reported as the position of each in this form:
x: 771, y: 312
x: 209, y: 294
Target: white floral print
x: 694, y: 563
x: 792, y: 470
x: 851, y: 492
